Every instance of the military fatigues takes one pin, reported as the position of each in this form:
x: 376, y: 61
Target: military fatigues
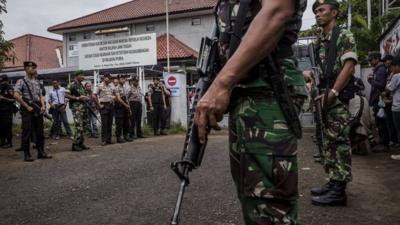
x: 263, y: 150
x: 135, y: 103
x: 30, y: 121
x: 121, y: 113
x: 106, y: 94
x: 6, y: 115
x: 79, y: 112
x: 337, y: 156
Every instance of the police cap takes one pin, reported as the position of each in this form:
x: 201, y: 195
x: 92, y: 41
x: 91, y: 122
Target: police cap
x: 29, y: 63
x: 318, y: 3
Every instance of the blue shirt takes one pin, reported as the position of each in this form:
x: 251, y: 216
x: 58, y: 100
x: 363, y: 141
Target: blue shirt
x: 57, y: 96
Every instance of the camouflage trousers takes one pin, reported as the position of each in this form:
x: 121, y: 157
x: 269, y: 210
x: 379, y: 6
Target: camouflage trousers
x: 80, y: 122
x: 263, y: 157
x: 337, y: 153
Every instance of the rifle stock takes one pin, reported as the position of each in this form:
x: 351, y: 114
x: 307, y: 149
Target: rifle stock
x: 318, y: 114
x: 193, y: 150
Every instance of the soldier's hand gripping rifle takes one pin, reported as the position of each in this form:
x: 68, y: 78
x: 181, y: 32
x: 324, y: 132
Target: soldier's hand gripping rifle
x: 318, y: 116
x: 193, y: 150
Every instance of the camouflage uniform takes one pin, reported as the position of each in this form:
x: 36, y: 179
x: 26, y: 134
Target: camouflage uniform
x: 337, y: 155
x: 79, y: 112
x: 263, y: 150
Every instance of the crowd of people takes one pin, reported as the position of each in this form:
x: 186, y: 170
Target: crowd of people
x: 384, y: 100
x: 116, y: 101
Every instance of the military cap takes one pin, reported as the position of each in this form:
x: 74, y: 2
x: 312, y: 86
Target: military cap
x: 30, y: 63
x: 318, y: 3
x: 79, y: 73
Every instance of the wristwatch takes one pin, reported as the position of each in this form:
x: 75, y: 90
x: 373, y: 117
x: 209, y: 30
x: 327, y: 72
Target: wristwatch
x: 336, y: 93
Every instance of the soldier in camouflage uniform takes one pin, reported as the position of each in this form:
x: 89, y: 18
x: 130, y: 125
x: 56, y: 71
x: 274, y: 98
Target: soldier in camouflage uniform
x: 77, y: 95
x: 263, y: 149
x: 337, y: 155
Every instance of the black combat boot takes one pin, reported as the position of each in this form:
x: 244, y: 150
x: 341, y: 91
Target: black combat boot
x: 336, y: 196
x: 120, y: 140
x: 317, y: 191
x: 128, y: 139
x: 76, y: 148
x: 43, y: 155
x: 84, y: 147
x: 28, y: 157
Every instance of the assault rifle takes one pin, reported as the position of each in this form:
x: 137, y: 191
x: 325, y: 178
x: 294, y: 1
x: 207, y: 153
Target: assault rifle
x: 193, y: 150
x: 37, y: 110
x: 320, y: 124
x: 91, y: 111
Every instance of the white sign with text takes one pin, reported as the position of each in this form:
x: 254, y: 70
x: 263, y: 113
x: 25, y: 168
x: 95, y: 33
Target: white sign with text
x: 130, y: 51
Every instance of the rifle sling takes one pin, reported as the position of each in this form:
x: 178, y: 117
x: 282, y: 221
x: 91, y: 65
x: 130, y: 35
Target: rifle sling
x: 29, y: 90
x: 328, y: 69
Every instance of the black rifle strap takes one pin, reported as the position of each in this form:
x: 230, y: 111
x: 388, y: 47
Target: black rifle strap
x: 237, y: 34
x: 29, y: 90
x: 328, y: 69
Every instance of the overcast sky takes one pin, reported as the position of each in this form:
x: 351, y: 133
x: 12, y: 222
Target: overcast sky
x: 35, y: 16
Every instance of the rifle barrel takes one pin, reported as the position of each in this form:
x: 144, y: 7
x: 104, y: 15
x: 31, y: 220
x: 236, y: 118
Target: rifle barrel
x: 184, y: 183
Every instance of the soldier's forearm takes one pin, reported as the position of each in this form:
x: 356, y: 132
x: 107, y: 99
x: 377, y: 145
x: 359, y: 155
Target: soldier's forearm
x: 344, y: 76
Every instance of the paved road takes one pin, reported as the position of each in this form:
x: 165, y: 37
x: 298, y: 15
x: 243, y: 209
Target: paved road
x: 132, y: 184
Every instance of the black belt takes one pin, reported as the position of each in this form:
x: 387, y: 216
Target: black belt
x: 105, y: 103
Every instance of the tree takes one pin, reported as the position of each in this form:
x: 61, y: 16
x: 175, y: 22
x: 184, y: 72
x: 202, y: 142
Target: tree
x: 5, y: 46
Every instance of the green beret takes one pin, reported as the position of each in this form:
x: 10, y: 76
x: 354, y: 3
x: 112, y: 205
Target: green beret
x: 317, y: 3
x: 78, y: 73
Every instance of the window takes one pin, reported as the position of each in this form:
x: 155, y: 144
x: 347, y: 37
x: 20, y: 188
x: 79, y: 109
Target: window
x: 150, y: 27
x: 73, y: 50
x: 87, y: 36
x: 72, y: 38
x: 196, y: 21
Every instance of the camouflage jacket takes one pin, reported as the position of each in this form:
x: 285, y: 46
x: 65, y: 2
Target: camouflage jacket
x: 227, y: 11
x: 346, y: 49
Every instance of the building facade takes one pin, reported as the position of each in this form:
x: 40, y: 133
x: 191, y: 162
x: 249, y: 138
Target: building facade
x: 189, y: 20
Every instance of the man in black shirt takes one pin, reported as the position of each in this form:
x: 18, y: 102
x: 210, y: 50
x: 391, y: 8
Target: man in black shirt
x: 7, y: 108
x: 158, y: 106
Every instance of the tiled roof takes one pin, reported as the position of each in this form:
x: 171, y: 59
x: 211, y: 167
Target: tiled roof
x: 177, y: 49
x: 135, y: 9
x: 39, y: 49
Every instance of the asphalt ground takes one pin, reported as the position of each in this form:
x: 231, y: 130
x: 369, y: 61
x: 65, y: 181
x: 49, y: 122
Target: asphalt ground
x: 132, y: 184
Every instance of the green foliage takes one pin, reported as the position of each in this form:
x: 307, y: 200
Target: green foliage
x: 5, y: 46
x: 177, y: 128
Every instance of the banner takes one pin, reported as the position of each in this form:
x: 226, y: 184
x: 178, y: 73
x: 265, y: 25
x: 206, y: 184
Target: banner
x: 130, y: 51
